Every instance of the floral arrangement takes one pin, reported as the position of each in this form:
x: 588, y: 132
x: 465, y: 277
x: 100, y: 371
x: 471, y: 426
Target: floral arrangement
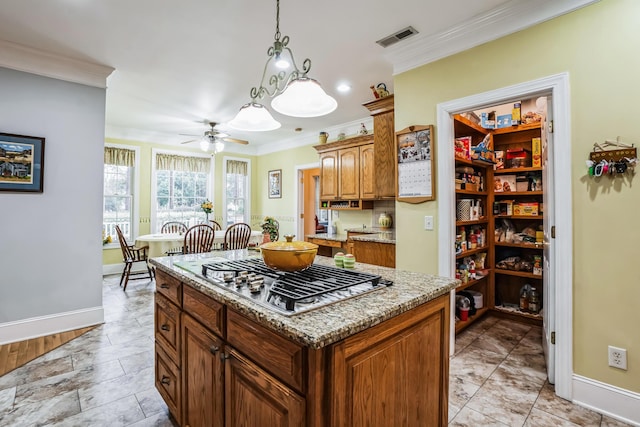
x: 270, y: 226
x: 106, y: 240
x: 207, y: 206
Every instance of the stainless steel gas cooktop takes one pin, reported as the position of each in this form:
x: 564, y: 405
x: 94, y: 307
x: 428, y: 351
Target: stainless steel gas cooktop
x: 290, y: 293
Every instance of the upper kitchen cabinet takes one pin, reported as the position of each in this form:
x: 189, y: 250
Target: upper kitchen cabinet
x: 384, y: 146
x: 347, y: 173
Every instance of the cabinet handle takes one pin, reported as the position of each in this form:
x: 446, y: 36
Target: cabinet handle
x: 164, y: 286
x: 214, y: 349
x: 165, y: 327
x: 224, y: 356
x: 165, y: 380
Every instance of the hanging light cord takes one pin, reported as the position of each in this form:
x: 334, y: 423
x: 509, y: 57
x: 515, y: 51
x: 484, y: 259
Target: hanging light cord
x: 279, y: 81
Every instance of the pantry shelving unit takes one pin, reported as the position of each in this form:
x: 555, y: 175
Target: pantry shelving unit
x: 500, y: 287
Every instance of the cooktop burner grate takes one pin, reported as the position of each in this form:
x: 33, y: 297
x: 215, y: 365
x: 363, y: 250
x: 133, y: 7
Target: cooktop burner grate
x: 291, y: 288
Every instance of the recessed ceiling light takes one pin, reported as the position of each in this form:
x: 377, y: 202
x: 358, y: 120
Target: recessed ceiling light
x: 343, y: 87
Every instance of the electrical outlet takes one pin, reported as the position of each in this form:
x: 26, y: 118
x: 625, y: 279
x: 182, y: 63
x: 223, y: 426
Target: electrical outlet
x: 428, y: 222
x: 618, y: 357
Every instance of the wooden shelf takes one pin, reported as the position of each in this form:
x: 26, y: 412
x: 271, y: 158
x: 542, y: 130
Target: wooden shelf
x: 516, y: 170
x: 470, y: 162
x: 472, y: 251
x: 517, y: 312
x: 538, y: 246
x: 475, y: 193
x: 518, y: 128
x: 351, y: 205
x: 472, y: 127
x: 517, y: 193
x: 474, y: 222
x: 518, y: 273
x: 470, y: 283
x: 460, y: 325
x: 532, y: 217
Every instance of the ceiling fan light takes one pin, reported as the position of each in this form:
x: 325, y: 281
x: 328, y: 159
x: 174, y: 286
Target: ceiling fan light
x: 304, y: 97
x: 204, y: 144
x: 218, y: 146
x: 254, y: 117
x: 281, y: 62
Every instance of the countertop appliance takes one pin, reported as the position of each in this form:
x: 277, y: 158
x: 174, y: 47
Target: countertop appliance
x: 290, y: 293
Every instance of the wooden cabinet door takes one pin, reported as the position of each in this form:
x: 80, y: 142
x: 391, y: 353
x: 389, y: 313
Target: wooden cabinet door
x: 256, y: 399
x: 395, y: 373
x: 385, y: 160
x: 202, y: 376
x: 367, y: 172
x: 329, y: 175
x: 349, y: 173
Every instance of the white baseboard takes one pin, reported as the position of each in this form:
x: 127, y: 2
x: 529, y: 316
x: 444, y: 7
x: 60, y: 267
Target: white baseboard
x: 52, y: 324
x: 108, y: 269
x: 612, y: 401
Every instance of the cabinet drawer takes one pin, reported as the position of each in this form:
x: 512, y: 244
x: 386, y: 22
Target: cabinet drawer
x: 324, y: 242
x: 169, y: 286
x: 167, y: 327
x: 168, y: 383
x: 274, y: 353
x: 206, y: 310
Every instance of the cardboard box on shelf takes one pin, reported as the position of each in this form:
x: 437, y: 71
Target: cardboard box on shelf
x: 526, y: 209
x: 504, y: 121
x: 520, y: 158
x: 488, y: 120
x: 463, y: 147
x: 536, y: 153
x: 522, y: 183
x: 499, y: 160
x: 504, y: 183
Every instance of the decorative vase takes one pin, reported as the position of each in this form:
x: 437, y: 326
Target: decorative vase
x: 323, y: 137
x: 384, y: 220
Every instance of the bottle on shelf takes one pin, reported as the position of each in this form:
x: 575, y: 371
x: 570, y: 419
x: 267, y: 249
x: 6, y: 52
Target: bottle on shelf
x: 524, y: 299
x: 534, y: 301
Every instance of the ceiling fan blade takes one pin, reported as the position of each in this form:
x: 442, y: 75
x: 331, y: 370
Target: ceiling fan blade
x: 186, y: 142
x: 188, y: 134
x: 237, y: 141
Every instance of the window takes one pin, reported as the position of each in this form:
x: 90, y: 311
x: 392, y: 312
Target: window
x: 120, y: 183
x: 236, y: 201
x: 182, y: 183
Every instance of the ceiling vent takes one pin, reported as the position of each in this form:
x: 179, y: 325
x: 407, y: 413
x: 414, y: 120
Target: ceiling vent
x: 398, y: 36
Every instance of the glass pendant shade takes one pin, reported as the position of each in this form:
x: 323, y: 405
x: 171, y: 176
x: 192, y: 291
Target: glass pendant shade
x: 254, y: 117
x: 204, y: 144
x: 218, y: 146
x: 304, y: 97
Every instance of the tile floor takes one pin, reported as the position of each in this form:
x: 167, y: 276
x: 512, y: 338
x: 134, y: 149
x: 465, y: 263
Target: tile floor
x: 105, y: 377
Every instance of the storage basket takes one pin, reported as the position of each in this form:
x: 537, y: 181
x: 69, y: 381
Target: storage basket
x: 463, y: 211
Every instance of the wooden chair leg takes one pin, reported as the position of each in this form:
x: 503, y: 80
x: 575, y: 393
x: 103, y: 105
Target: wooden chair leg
x: 124, y: 270
x: 128, y: 270
x: 150, y: 270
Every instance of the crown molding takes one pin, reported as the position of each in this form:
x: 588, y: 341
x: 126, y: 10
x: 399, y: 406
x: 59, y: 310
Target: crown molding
x: 506, y: 19
x: 350, y: 129
x: 34, y: 61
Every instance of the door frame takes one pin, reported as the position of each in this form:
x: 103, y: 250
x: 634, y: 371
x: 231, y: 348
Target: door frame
x: 557, y: 86
x: 299, y: 192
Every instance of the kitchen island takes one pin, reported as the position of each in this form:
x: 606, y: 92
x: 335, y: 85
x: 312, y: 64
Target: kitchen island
x: 378, y: 359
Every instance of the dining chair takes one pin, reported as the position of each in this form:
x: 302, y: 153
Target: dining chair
x: 131, y: 255
x: 173, y: 227
x: 198, y: 238
x: 237, y: 236
x: 215, y: 224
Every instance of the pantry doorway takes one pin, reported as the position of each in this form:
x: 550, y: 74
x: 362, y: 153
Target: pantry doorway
x: 556, y: 323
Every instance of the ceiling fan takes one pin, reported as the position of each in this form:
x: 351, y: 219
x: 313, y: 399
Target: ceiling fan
x: 215, y: 138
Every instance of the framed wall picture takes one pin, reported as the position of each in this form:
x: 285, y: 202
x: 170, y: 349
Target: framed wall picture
x: 414, y: 156
x: 275, y: 184
x: 21, y: 163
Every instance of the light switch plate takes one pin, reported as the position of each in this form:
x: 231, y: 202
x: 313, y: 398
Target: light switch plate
x: 428, y: 222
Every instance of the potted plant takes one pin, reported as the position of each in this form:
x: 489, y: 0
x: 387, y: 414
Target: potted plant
x: 270, y: 226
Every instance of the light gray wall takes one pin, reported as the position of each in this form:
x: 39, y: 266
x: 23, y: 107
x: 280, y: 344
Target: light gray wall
x: 50, y: 243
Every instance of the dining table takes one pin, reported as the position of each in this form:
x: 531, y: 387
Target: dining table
x: 159, y: 243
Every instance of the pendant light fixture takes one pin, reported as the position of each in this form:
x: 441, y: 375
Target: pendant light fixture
x: 295, y: 94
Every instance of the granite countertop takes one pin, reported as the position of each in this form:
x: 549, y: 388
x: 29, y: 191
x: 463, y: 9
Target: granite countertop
x: 328, y: 324
x: 325, y: 236
x: 380, y: 236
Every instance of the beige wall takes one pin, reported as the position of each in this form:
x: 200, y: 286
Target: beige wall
x: 598, y: 46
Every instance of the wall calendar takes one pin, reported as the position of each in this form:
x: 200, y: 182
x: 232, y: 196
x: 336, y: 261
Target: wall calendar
x: 414, y: 157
